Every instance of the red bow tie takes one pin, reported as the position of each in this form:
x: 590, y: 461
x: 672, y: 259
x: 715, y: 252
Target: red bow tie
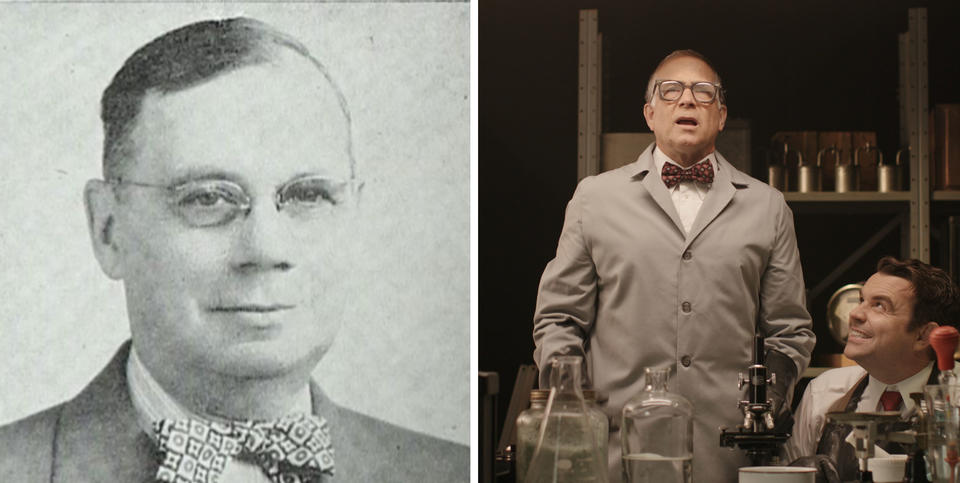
x: 673, y: 174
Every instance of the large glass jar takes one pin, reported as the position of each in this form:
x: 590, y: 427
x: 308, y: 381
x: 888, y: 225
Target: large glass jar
x: 657, y: 433
x: 568, y: 447
x: 528, y: 426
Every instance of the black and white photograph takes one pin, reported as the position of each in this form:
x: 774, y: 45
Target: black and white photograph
x: 235, y: 242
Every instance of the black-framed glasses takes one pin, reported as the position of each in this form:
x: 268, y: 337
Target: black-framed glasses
x: 215, y: 202
x: 671, y: 90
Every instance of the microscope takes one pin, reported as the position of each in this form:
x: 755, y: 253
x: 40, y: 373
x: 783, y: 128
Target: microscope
x: 756, y: 436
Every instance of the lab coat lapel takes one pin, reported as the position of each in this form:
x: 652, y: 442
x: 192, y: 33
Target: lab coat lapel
x: 718, y: 197
x: 646, y: 170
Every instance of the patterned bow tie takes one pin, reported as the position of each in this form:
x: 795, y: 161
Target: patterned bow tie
x: 673, y: 174
x: 293, y: 449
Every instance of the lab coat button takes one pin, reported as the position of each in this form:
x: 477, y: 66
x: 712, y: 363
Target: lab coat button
x: 686, y: 360
x: 687, y: 255
x: 685, y: 307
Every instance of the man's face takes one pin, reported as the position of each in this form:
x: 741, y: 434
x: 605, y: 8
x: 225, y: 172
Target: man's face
x: 262, y: 294
x: 685, y: 128
x: 878, y: 326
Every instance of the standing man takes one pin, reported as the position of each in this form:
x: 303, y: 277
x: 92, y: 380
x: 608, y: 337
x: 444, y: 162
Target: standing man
x: 677, y: 260
x: 227, y: 209
x: 889, y: 339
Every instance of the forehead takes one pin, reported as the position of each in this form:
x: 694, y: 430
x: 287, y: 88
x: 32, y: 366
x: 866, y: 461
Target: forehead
x: 270, y: 121
x: 884, y: 285
x: 687, y: 69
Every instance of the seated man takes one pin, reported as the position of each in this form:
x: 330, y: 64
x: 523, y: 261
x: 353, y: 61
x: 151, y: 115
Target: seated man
x: 889, y: 338
x: 227, y: 209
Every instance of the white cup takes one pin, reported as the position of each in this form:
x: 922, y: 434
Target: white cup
x: 777, y: 474
x: 888, y: 469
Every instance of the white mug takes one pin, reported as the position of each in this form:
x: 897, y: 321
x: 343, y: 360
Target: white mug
x: 777, y: 474
x: 888, y: 468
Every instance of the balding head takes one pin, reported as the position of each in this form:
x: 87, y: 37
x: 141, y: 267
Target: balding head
x: 680, y: 54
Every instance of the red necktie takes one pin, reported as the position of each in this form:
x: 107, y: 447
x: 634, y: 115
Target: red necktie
x: 891, y: 400
x: 673, y: 174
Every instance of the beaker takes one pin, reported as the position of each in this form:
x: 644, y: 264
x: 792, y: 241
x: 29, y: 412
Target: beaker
x: 943, y: 428
x: 656, y: 433
x: 567, y: 449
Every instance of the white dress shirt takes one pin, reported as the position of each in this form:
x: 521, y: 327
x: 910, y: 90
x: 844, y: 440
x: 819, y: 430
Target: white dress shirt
x: 153, y: 403
x: 830, y: 386
x: 687, y: 196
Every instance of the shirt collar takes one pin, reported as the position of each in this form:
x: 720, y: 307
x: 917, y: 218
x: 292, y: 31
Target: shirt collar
x: 152, y: 403
x: 911, y: 384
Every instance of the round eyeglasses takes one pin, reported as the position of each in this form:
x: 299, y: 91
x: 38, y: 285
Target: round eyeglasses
x: 215, y: 202
x: 671, y: 90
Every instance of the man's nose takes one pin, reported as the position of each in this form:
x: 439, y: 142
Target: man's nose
x: 262, y: 241
x: 686, y: 97
x: 858, y: 314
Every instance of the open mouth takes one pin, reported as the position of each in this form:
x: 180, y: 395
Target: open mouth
x: 859, y: 334
x: 687, y: 121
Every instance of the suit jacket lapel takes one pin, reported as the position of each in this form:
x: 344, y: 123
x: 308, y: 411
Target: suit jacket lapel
x: 100, y: 425
x: 726, y: 181
x: 646, y: 170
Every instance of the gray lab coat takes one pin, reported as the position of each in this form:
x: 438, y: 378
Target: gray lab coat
x: 630, y: 289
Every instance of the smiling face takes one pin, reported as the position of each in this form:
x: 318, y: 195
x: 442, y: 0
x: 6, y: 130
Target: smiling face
x: 685, y: 129
x: 880, y: 339
x: 260, y: 294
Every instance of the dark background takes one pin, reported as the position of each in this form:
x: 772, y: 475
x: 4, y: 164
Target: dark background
x: 787, y: 65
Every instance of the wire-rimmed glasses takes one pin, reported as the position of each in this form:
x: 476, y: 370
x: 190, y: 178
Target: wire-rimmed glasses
x: 216, y: 202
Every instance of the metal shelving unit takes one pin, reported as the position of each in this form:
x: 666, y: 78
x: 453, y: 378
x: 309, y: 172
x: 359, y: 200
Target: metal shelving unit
x: 944, y: 195
x: 853, y: 196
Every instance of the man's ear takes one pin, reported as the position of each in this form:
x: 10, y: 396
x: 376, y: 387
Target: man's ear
x: 101, y: 205
x: 923, y: 336
x: 648, y: 115
x: 723, y: 116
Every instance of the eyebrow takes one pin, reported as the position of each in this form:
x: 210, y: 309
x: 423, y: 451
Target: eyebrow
x: 202, y: 173
x: 880, y: 298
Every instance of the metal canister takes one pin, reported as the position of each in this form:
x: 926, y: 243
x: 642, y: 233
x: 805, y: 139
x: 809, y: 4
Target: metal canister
x: 778, y: 172
x: 889, y: 176
x: 846, y: 176
x: 809, y: 178
x: 867, y: 148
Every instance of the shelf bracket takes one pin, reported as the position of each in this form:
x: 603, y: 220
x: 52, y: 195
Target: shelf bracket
x: 851, y: 259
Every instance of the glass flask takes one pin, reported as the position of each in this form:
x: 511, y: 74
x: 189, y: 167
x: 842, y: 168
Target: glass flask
x: 656, y: 433
x: 528, y: 426
x: 943, y: 431
x: 567, y: 448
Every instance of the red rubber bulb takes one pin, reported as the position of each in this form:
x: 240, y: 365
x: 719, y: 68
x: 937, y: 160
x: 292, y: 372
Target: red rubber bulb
x: 944, y: 340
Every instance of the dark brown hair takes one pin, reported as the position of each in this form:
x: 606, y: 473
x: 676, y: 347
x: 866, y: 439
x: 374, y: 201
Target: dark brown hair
x: 936, y: 297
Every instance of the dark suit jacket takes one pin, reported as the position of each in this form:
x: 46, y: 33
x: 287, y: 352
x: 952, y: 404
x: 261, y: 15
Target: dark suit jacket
x: 95, y: 438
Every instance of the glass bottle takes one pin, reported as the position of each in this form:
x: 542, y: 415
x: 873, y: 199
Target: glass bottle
x: 528, y: 426
x: 657, y: 433
x: 567, y: 448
